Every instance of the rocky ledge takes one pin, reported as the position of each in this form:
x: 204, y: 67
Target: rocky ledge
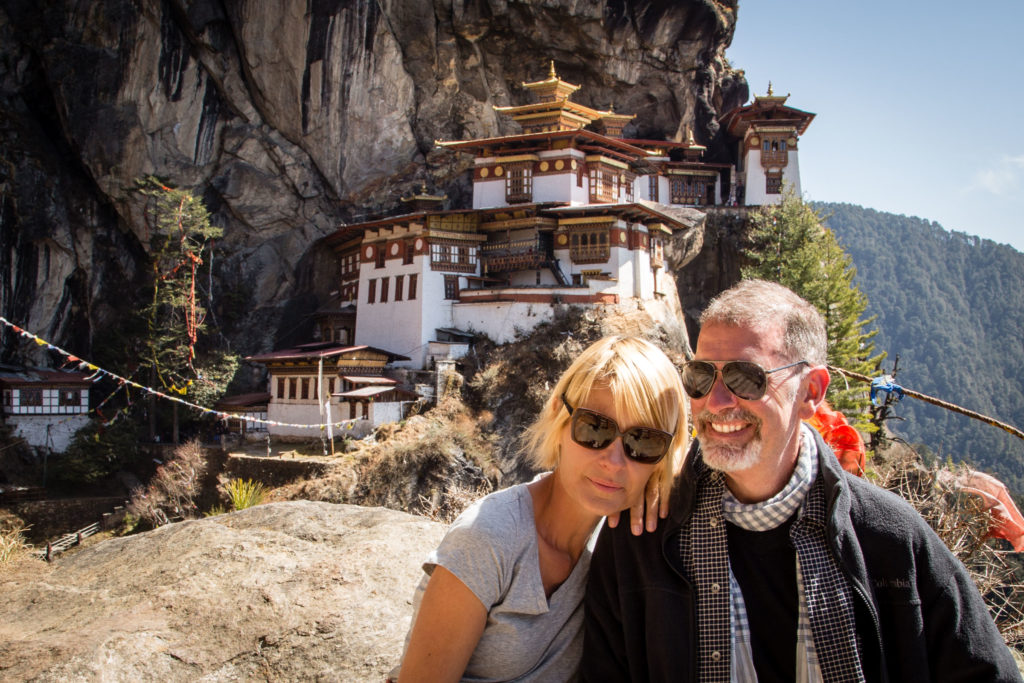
x: 284, y: 591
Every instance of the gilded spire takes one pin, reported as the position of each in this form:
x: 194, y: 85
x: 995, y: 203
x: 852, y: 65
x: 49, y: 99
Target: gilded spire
x: 770, y: 93
x: 551, y: 71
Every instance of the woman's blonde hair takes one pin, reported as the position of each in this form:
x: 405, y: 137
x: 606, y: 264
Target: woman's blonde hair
x: 645, y: 388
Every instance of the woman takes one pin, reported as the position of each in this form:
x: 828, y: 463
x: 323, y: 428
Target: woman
x: 502, y: 599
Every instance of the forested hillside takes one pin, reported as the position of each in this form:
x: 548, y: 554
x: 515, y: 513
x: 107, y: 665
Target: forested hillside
x: 951, y: 306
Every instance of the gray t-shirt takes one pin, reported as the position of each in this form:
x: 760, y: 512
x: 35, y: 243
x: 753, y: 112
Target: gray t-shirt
x: 492, y: 548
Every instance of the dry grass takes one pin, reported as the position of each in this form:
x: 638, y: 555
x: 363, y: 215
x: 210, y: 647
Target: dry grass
x: 13, y: 546
x: 963, y: 525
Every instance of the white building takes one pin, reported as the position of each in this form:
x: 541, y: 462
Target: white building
x: 45, y: 407
x: 349, y: 378
x: 767, y: 133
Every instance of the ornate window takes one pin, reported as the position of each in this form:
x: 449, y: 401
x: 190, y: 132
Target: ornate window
x: 652, y: 187
x: 589, y: 246
x: 773, y: 151
x: 604, y: 183
x: 451, y: 286
x: 349, y: 266
x: 409, y: 253
x: 69, y: 397
x: 31, y: 397
x: 453, y: 256
x: 519, y: 183
x: 280, y: 387
x: 773, y: 183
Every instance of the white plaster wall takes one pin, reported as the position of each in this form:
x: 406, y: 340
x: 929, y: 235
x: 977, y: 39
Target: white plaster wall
x: 791, y: 175
x: 33, y: 428
x: 489, y: 193
x: 754, y: 180
x: 295, y: 413
x: 554, y: 187
x: 499, y: 321
x: 404, y: 326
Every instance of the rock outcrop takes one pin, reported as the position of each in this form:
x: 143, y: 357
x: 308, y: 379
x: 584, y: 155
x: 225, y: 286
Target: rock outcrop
x: 289, y: 120
x: 283, y: 591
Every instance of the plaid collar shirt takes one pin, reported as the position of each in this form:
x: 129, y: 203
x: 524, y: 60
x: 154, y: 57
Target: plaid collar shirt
x: 826, y: 601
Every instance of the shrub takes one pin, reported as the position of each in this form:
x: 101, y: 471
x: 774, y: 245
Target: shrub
x: 171, y: 493
x: 244, y: 493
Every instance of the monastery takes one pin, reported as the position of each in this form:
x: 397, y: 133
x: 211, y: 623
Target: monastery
x: 567, y: 212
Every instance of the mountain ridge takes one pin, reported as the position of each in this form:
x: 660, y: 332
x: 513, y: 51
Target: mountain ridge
x: 951, y: 306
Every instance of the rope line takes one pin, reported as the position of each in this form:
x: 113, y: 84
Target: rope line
x: 938, y: 402
x: 97, y: 371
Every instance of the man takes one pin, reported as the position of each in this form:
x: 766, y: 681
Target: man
x: 774, y: 564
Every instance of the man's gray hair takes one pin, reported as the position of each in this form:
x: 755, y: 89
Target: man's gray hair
x: 757, y: 303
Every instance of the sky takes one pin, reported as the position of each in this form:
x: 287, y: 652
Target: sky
x: 919, y: 103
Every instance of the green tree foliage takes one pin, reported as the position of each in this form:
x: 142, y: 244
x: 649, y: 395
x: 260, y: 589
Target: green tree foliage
x: 950, y: 306
x: 174, y: 351
x: 789, y: 245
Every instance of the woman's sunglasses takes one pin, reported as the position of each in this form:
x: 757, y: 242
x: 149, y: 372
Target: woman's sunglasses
x: 645, y: 445
x: 743, y: 378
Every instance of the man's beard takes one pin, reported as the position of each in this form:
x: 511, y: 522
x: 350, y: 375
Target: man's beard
x: 722, y: 456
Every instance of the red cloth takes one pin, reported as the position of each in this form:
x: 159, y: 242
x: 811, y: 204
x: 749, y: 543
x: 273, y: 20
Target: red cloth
x: 844, y: 440
x: 1007, y: 522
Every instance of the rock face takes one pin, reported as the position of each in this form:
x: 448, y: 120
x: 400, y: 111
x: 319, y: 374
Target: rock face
x: 283, y: 591
x: 289, y: 122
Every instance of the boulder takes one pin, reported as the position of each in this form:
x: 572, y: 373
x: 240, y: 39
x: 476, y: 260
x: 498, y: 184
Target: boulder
x: 283, y: 591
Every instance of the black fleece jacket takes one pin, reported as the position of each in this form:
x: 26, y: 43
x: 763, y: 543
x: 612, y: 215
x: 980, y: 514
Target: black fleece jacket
x: 919, y: 614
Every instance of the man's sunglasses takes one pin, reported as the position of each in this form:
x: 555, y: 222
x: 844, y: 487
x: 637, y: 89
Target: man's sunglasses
x: 745, y: 379
x: 645, y: 445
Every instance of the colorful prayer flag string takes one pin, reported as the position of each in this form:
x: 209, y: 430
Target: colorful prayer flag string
x: 125, y: 383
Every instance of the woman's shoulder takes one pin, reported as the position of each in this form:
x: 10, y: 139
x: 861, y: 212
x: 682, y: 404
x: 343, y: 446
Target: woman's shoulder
x: 501, y: 514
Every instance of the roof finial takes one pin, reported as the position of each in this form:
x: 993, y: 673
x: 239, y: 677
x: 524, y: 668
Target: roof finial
x: 551, y: 71
x: 769, y: 88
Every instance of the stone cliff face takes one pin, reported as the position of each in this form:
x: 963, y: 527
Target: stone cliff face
x: 288, y: 120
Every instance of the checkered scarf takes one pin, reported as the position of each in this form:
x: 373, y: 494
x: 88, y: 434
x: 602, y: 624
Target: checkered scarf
x: 826, y: 607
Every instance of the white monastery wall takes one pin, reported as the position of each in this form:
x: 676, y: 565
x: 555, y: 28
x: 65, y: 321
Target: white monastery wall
x: 488, y: 193
x: 53, y: 431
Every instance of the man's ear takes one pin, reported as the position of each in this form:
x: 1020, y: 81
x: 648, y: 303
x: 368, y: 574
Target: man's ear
x: 815, y: 386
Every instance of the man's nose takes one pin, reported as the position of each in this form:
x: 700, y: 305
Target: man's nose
x: 720, y: 397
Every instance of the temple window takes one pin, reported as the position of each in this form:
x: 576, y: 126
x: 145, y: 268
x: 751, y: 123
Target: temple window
x: 31, y: 397
x: 280, y: 387
x: 685, y: 190
x: 349, y: 266
x: 652, y: 187
x: 773, y: 183
x: 589, y: 246
x: 380, y: 255
x: 371, y: 291
x: 410, y: 251
x: 399, y: 283
x: 293, y: 387
x: 519, y: 183
x: 305, y: 388
x: 384, y: 282
x: 69, y: 397
x: 451, y: 286
x: 412, y: 287
x: 453, y: 256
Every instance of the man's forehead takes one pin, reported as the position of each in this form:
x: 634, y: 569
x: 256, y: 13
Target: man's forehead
x: 739, y: 340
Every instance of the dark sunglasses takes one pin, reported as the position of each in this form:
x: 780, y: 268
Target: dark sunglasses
x: 645, y: 445
x: 745, y: 379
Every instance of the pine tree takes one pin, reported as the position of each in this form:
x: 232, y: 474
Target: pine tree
x: 789, y: 245
x: 180, y: 245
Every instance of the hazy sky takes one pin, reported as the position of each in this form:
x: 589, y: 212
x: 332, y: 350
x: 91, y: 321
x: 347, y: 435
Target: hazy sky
x: 919, y: 103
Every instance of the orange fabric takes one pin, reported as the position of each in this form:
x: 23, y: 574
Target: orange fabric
x: 844, y: 440
x: 1007, y: 522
